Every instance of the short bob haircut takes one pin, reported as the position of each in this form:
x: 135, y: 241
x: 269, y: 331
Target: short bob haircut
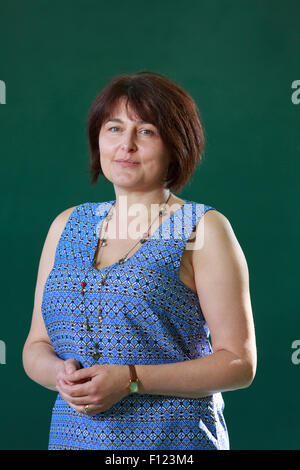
x: 160, y: 101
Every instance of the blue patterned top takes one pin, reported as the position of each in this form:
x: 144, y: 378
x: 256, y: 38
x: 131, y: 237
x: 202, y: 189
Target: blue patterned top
x: 149, y: 316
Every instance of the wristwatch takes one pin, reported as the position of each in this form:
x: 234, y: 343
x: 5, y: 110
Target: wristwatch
x: 134, y: 381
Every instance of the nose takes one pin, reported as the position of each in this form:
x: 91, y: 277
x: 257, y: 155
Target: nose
x: 128, y: 143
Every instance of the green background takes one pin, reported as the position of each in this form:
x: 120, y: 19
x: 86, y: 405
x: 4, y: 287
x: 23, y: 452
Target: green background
x: 238, y: 60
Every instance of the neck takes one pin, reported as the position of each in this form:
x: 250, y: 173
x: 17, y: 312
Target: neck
x: 149, y: 204
x: 125, y: 200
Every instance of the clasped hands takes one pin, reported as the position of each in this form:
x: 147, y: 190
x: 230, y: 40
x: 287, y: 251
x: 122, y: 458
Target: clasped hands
x: 99, y: 386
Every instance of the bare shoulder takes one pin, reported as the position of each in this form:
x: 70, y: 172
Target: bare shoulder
x: 61, y: 219
x: 218, y: 241
x: 216, y: 223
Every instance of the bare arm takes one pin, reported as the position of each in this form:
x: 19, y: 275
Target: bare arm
x: 40, y: 362
x: 222, y: 281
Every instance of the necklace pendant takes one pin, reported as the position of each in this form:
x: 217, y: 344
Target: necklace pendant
x: 122, y: 260
x: 96, y: 356
x: 96, y: 353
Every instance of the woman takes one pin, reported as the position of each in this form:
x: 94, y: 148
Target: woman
x: 117, y: 326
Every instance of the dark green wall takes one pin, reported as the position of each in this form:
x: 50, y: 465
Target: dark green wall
x: 238, y: 60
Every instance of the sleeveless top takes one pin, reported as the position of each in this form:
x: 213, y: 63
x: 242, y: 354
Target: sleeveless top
x: 149, y: 317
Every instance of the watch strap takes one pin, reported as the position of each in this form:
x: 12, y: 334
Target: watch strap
x: 133, y: 374
x: 133, y: 383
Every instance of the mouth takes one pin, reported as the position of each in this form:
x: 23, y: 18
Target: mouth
x: 126, y: 163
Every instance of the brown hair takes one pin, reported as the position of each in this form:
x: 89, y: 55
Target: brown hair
x: 158, y: 100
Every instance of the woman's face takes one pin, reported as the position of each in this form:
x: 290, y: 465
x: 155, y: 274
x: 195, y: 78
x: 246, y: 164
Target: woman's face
x: 125, y: 137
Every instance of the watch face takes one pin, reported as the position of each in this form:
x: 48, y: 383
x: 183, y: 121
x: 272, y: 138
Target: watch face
x: 134, y: 387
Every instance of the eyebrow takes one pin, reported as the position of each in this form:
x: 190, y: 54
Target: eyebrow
x: 120, y: 120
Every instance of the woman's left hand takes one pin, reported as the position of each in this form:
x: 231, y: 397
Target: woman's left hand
x: 99, y: 387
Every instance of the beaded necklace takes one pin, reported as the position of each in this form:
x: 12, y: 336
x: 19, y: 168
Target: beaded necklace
x: 92, y: 334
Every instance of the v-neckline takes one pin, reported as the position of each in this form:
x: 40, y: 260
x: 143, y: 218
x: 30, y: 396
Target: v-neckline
x: 95, y: 237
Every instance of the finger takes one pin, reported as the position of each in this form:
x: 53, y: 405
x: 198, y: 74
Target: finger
x: 90, y: 410
x: 76, y: 408
x: 74, y: 390
x: 77, y: 401
x: 83, y: 374
x: 70, y: 368
x: 72, y: 365
x: 64, y: 379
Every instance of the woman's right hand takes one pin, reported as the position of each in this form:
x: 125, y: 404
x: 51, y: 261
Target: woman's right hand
x: 68, y: 367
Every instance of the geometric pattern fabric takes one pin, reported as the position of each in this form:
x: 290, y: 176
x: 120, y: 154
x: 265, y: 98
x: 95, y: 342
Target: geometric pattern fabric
x: 148, y: 316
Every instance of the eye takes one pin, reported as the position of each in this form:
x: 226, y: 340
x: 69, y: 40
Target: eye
x: 148, y: 130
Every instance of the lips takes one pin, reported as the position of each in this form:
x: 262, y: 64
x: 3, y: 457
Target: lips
x: 127, y: 163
